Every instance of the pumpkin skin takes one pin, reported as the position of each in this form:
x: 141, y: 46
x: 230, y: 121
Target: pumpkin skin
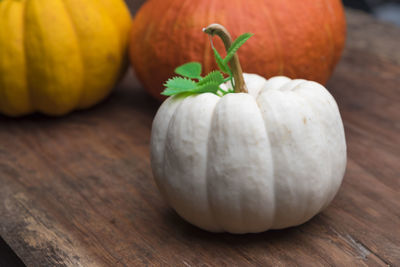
x: 248, y: 162
x: 60, y: 55
x: 298, y: 39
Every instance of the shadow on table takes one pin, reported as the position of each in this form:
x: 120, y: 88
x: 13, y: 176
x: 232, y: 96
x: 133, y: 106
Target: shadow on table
x: 127, y: 98
x: 7, y: 257
x: 187, y: 231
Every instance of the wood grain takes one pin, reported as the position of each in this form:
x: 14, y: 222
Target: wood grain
x: 78, y: 190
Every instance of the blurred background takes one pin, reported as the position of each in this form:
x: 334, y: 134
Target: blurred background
x: 385, y: 10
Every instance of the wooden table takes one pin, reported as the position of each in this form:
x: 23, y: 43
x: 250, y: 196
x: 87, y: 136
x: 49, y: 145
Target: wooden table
x: 78, y: 190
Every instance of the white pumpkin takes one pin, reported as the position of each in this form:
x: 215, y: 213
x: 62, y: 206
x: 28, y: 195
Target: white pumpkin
x: 248, y: 162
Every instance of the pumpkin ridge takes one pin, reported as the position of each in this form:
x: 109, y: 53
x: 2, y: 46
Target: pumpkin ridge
x: 55, y: 67
x: 272, y: 160
x: 187, y: 142
x: 324, y: 135
x: 272, y: 172
x: 28, y: 87
x: 298, y: 86
x: 305, y: 216
x: 157, y: 157
x: 79, y: 51
x: 123, y: 38
x: 276, y: 90
x: 28, y: 84
x: 14, y: 101
x: 166, y: 137
x: 2, y: 5
x: 94, y: 57
x: 224, y: 107
x: 212, y: 211
x: 123, y: 42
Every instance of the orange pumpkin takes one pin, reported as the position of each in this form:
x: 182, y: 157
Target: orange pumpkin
x: 298, y: 39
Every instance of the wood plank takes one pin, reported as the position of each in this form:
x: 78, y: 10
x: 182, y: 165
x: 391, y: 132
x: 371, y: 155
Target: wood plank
x: 78, y: 190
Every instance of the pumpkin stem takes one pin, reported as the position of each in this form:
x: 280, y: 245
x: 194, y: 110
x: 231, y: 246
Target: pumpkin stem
x: 222, y: 32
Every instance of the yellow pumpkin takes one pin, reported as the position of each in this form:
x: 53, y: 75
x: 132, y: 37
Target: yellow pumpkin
x: 60, y: 55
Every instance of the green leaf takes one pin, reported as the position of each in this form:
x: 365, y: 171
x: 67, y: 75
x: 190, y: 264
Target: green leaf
x: 236, y: 45
x: 214, y: 76
x: 185, y: 85
x: 178, y: 85
x: 221, y: 64
x: 190, y: 70
x: 210, y: 87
